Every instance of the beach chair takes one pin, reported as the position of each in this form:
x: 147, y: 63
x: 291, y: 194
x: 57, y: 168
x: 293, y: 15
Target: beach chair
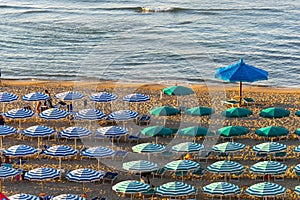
x: 198, y: 174
x: 231, y: 103
x: 236, y: 176
x: 110, y: 176
x: 248, y: 101
x: 120, y: 155
x: 204, y: 155
x: 259, y: 155
x: 135, y: 137
x: 160, y: 172
x: 143, y: 120
x: 280, y: 155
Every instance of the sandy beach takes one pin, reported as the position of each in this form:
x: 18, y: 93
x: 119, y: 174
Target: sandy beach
x: 205, y: 95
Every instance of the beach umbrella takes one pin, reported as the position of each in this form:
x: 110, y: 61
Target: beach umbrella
x: 221, y: 189
x: 131, y: 187
x: 23, y: 196
x: 225, y: 167
x: 139, y: 166
x: 237, y: 112
x: 60, y: 151
x: 6, y: 130
x: 136, y: 97
x: 6, y: 172
x: 111, y: 131
x: 297, y: 168
x: 20, y: 113
x: 164, y: 111
x: 178, y: 90
x: 90, y: 114
x: 187, y: 147
x: 148, y: 148
x: 38, y: 131
x: 297, y: 113
x: 69, y: 96
x: 297, y: 149
x: 103, y: 97
x: 274, y: 112
x: 20, y: 151
x: 297, y: 132
x: 241, y: 72
x: 199, y: 111
x: 269, y: 147
x: 297, y: 189
x: 268, y: 167
x: 175, y: 189
x: 67, y: 197
x: 123, y: 115
x: 98, y: 152
x: 230, y: 131
x: 153, y: 131
x: 265, y: 189
x: 42, y: 174
x: 228, y: 147
x: 53, y: 114
x: 7, y: 97
x: 75, y: 132
x: 272, y: 131
x: 182, y: 165
x: 35, y: 96
x: 194, y: 131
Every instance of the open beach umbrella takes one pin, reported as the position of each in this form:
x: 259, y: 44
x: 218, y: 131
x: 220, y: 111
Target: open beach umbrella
x: 230, y: 131
x: 221, y: 189
x: 6, y: 97
x: 4, y: 131
x: 164, y: 111
x: 53, y: 114
x: 67, y: 197
x: 182, y: 166
x: 274, y: 112
x: 199, y: 111
x: 241, y: 72
x: 139, y: 166
x: 35, y: 96
x: 153, y: 131
x: 20, y: 113
x: 131, y: 187
x: 228, y: 147
x: 103, y: 97
x: 297, y: 131
x: 297, y: 189
x: 6, y: 172
x: 178, y: 90
x: 265, y: 189
x: 90, y: 114
x: 136, y: 97
x: 237, y: 112
x: 42, y: 174
x: 123, y: 115
x: 148, y: 148
x: 38, y: 131
x: 60, y: 151
x: 187, y: 147
x: 194, y: 131
x: 297, y: 113
x: 23, y: 196
x: 225, y: 167
x: 297, y: 168
x: 272, y: 131
x: 175, y: 189
x: 297, y: 149
x: 69, y: 96
x: 20, y: 151
x: 268, y: 167
x: 98, y: 152
x: 75, y: 132
x: 111, y: 132
x: 269, y: 147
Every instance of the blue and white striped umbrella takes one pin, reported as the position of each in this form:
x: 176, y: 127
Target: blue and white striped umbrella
x: 103, y: 97
x: 67, y: 197
x: 221, y: 189
x: 136, y: 97
x: 38, y: 131
x: 19, y: 113
x: 228, y: 147
x: 297, y: 149
x: 269, y: 147
x: 176, y: 189
x: 60, y: 151
x: 6, y: 172
x: 182, y: 165
x: 123, y: 115
x: 20, y: 150
x: 84, y: 175
x: 35, y: 96
x: 148, y: 148
x: 297, y: 168
x: 53, y: 114
x: 6, y: 130
x: 98, y: 152
x: 187, y: 147
x: 265, y: 189
x: 23, y: 196
x: 7, y: 97
x: 140, y: 166
x: 225, y: 166
x: 39, y: 174
x: 131, y: 187
x: 68, y: 96
x: 111, y: 131
x: 269, y: 167
x: 90, y: 114
x: 297, y: 190
x: 75, y: 132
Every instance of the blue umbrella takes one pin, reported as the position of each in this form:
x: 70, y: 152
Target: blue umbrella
x: 38, y: 131
x: 7, y: 97
x: 35, y: 96
x: 103, y: 97
x: 90, y: 114
x: 6, y: 172
x: 53, y: 114
x: 75, y: 132
x: 67, y: 197
x: 6, y: 130
x: 69, y: 96
x: 23, y: 196
x: 136, y: 97
x: 123, y: 115
x: 140, y: 166
x: 112, y: 131
x: 241, y: 72
x: 98, y: 152
x: 19, y: 151
x: 20, y: 113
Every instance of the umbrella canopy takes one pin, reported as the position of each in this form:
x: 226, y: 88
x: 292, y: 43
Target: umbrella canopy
x: 228, y: 147
x: 148, y: 148
x: 140, y: 166
x: 123, y: 115
x: 98, y: 152
x: 111, y: 131
x: 230, y: 131
x: 67, y: 197
x: 269, y: 147
x: 268, y: 167
x: 103, y: 97
x: 297, y: 113
x: 274, y: 112
x: 6, y: 172
x: 84, y: 175
x: 297, y: 149
x: 136, y: 98
x: 75, y: 132
x: 35, y: 96
x: 237, y: 112
x: 68, y: 96
x: 23, y: 196
x: 187, y: 147
x: 153, y: 131
x: 131, y: 187
x: 42, y: 174
x: 38, y: 131
x: 272, y: 131
x: 90, y: 114
x: 182, y: 165
x: 297, y: 168
x: 60, y: 151
x: 225, y: 166
x: 19, y: 113
x: 177, y: 90
x: 194, y: 131
x: 297, y: 189
x: 7, y: 97
x: 297, y: 132
x: 199, y: 111
x: 164, y: 111
x: 265, y: 189
x: 53, y: 114
x: 6, y: 130
x: 221, y: 188
x: 175, y: 189
x: 20, y: 150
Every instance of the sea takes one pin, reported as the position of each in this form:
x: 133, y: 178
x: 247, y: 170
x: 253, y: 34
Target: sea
x: 149, y: 41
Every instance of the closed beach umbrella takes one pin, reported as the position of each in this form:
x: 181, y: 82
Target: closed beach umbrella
x: 154, y: 131
x: 6, y: 172
x: 175, y: 189
x: 274, y: 112
x: 69, y: 96
x: 225, y: 167
x: 194, y: 131
x: 42, y: 174
x: 23, y: 196
x: 20, y: 151
x: 148, y: 148
x: 136, y: 97
x: 221, y: 189
x: 237, y: 112
x: 241, y: 72
x: 182, y: 165
x: 268, y: 167
x: 164, y: 111
x: 230, y: 131
x: 98, y: 152
x: 140, y: 166
x: 199, y: 111
x: 53, y: 114
x: 123, y: 115
x: 103, y: 97
x: 75, y: 132
x: 272, y: 131
x: 90, y: 114
x: 35, y: 96
x: 269, y: 147
x: 131, y: 187
x: 228, y: 147
x: 6, y: 97
x: 6, y: 130
x: 67, y: 197
x: 187, y: 147
x: 265, y: 189
x: 38, y: 131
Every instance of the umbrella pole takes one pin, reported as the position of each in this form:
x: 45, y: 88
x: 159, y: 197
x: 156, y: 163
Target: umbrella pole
x: 42, y: 186
x: 82, y: 187
x: 75, y: 141
x: 38, y: 143
x: 20, y: 162
x: 1, y: 142
x: 0, y: 184
x: 98, y: 164
x: 240, y: 93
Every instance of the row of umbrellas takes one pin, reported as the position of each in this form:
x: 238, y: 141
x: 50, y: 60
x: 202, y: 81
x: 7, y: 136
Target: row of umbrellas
x: 23, y: 196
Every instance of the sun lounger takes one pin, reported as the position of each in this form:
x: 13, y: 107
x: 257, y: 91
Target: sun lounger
x: 143, y: 120
x: 135, y: 137
x: 248, y: 101
x: 231, y: 103
x: 160, y: 172
x: 110, y: 176
x: 120, y: 154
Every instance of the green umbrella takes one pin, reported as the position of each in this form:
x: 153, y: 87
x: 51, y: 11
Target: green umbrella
x: 297, y: 113
x: 178, y: 90
x: 274, y: 112
x: 194, y: 131
x: 272, y: 131
x: 228, y: 147
x: 199, y: 111
x: 268, y: 167
x: 230, y: 131
x: 157, y: 131
x: 176, y: 189
x: 164, y: 111
x: 131, y: 187
x: 297, y: 132
x: 237, y: 112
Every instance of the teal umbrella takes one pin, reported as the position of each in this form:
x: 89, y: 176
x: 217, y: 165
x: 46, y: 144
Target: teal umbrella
x: 194, y: 131
x: 140, y: 166
x: 187, y: 147
x: 176, y: 189
x: 297, y: 190
x: 230, y: 131
x: 268, y: 167
x: 225, y: 167
x: 153, y: 131
x: 265, y: 189
x: 269, y: 147
x: 297, y: 149
x: 131, y: 187
x: 274, y: 112
x: 272, y: 131
x: 148, y: 148
x: 297, y: 132
x: 237, y: 112
x: 297, y: 113
x: 228, y: 147
x: 164, y: 111
x: 182, y: 165
x: 221, y: 189
x: 178, y: 90
x: 199, y: 111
